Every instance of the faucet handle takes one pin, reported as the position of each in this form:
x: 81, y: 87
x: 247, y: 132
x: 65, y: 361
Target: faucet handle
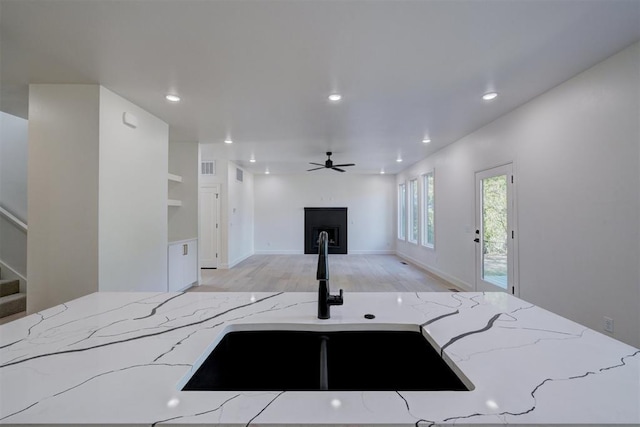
x: 336, y: 299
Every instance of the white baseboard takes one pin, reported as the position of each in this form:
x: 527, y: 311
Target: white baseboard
x: 237, y: 261
x: 298, y: 252
x: 441, y: 274
x: 280, y: 252
x: 10, y: 273
x: 382, y: 252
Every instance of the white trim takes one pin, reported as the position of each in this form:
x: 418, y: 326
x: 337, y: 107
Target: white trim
x: 356, y: 252
x: 13, y: 219
x: 410, y: 216
x: 506, y: 169
x: 423, y: 210
x: 217, y: 189
x: 13, y: 274
x: 402, y: 216
x: 442, y: 275
x: 373, y: 252
x: 238, y: 260
x: 280, y: 252
x: 176, y: 242
x: 175, y: 178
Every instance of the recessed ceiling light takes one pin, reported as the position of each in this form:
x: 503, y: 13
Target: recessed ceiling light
x: 426, y: 140
x: 252, y: 160
x: 228, y: 141
x: 267, y: 172
x: 381, y: 171
x: 399, y: 160
x: 172, y: 98
x: 335, y: 97
x: 489, y: 96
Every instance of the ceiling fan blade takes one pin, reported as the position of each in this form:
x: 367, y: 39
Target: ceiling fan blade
x: 317, y: 164
x: 345, y: 165
x: 339, y: 170
x: 315, y: 169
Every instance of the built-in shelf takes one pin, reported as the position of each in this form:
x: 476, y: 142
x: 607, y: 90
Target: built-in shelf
x: 175, y: 178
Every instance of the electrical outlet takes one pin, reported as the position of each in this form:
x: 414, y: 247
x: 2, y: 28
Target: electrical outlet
x: 608, y: 324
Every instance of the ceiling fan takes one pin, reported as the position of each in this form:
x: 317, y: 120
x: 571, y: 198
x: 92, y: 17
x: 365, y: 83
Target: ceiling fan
x: 328, y: 164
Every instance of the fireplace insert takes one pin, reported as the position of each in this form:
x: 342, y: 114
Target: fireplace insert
x: 331, y: 220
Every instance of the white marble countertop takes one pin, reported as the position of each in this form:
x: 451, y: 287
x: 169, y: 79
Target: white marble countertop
x: 119, y: 358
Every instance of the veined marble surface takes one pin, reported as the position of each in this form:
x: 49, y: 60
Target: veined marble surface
x: 119, y: 358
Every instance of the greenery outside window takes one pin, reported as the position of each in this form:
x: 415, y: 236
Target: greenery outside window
x: 413, y: 211
x: 428, y: 210
x: 402, y: 211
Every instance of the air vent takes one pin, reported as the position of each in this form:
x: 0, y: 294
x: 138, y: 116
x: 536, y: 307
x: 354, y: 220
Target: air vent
x: 208, y: 167
x: 239, y: 174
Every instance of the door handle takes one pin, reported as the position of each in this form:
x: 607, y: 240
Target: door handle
x: 477, y: 240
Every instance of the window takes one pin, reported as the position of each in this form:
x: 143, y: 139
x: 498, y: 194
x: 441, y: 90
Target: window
x: 402, y: 211
x: 413, y: 210
x: 428, y: 210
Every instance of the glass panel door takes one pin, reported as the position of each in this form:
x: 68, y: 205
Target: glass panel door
x: 495, y: 232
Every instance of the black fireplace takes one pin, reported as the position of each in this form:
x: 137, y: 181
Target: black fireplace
x: 331, y: 220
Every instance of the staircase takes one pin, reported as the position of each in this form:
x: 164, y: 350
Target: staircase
x: 11, y: 300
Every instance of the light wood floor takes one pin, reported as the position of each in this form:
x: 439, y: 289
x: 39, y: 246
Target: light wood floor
x: 296, y: 273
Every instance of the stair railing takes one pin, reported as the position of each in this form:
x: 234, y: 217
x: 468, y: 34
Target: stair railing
x: 13, y: 219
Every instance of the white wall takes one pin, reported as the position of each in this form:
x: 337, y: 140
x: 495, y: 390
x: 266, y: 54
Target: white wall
x: 62, y: 261
x: 240, y: 214
x: 13, y: 191
x: 133, y: 198
x: 183, y: 161
x: 280, y: 201
x: 576, y: 157
x: 97, y: 193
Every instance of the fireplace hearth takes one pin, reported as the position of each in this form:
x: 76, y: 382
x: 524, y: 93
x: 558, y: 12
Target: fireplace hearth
x: 331, y: 220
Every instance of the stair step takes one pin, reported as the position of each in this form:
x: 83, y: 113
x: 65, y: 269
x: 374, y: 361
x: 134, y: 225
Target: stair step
x: 12, y: 304
x: 9, y: 287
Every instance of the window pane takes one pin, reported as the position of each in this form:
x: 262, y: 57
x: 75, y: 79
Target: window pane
x: 428, y: 210
x: 495, y: 231
x: 413, y: 212
x: 402, y: 211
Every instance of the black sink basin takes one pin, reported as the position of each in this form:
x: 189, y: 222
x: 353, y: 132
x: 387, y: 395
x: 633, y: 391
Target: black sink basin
x: 355, y: 360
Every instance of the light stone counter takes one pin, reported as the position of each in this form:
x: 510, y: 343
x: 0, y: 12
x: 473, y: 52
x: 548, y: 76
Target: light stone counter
x: 119, y: 358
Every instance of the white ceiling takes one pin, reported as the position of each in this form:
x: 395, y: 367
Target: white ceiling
x: 260, y: 71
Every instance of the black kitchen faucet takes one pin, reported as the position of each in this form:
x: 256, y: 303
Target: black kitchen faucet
x: 325, y: 299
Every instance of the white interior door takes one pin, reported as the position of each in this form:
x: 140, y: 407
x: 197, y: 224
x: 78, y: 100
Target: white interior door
x: 495, y: 230
x: 209, y: 226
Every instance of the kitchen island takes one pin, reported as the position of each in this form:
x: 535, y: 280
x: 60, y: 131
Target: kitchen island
x: 122, y: 358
